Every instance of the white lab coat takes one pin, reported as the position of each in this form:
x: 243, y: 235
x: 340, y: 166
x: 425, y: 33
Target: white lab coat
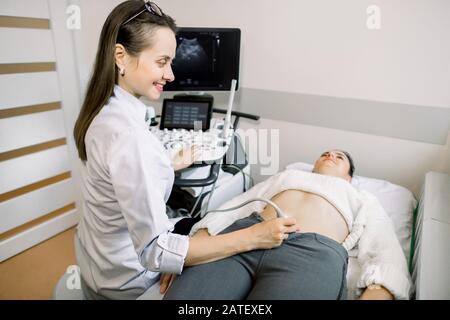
x: 123, y: 239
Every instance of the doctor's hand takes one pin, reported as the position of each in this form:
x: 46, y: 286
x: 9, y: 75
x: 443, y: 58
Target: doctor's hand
x: 271, y: 233
x: 185, y: 157
x: 165, y: 281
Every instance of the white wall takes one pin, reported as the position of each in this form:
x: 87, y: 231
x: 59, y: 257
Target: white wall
x: 93, y: 15
x: 398, y: 161
x: 324, y: 47
x: 320, y: 46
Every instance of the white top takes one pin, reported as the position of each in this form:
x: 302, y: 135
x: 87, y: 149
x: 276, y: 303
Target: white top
x: 127, y: 178
x: 379, y: 252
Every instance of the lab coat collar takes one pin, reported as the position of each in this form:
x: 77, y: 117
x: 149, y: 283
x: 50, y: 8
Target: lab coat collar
x: 139, y: 110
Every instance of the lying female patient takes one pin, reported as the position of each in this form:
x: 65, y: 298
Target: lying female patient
x: 333, y: 217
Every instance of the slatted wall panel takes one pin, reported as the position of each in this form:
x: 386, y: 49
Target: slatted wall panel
x: 37, y: 195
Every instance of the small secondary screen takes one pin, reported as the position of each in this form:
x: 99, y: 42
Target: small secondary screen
x: 186, y: 115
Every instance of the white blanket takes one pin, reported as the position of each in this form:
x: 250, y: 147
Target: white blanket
x: 379, y: 252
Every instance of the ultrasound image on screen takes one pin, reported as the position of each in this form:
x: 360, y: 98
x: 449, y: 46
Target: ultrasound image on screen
x: 206, y: 59
x: 192, y: 56
x: 195, y: 58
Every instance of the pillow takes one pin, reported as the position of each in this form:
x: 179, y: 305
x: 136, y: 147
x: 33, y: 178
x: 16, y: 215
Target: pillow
x: 398, y: 202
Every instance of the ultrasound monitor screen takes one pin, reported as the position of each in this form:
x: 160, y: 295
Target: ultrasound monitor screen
x: 195, y: 56
x: 206, y: 59
x: 184, y: 114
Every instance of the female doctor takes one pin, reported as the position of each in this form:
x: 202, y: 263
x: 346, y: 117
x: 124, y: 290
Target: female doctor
x: 124, y: 238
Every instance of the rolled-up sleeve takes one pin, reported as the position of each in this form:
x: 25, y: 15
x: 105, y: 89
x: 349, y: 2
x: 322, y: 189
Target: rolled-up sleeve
x: 140, y: 175
x: 169, y: 252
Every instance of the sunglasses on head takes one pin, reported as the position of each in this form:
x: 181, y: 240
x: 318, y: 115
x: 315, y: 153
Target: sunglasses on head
x: 150, y: 7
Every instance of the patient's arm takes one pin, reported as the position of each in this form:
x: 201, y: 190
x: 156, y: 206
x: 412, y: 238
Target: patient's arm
x: 264, y: 235
x: 380, y: 255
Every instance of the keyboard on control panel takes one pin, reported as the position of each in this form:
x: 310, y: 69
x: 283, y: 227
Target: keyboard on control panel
x: 211, y: 146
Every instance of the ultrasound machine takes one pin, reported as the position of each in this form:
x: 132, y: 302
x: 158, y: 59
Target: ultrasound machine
x: 187, y: 122
x: 207, y: 59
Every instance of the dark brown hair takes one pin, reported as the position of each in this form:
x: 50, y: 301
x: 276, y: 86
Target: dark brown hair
x: 135, y: 36
x: 351, y: 170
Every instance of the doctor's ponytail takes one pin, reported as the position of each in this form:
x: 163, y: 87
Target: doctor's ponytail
x: 135, y: 36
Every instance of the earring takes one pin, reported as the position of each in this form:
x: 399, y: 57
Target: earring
x: 122, y: 72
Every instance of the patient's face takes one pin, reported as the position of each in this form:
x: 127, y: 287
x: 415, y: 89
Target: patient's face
x: 333, y: 163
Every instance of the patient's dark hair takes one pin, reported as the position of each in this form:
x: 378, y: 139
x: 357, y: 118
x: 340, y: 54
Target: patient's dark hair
x: 350, y: 160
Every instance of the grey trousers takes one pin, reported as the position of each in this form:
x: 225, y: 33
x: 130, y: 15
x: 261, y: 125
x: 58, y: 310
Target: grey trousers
x: 305, y: 266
